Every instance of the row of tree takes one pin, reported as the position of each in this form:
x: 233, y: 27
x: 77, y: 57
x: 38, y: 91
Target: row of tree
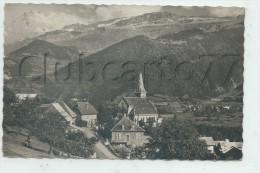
x: 174, y: 139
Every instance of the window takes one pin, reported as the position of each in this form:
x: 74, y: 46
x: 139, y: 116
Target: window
x: 127, y: 137
x: 137, y: 135
x: 117, y: 136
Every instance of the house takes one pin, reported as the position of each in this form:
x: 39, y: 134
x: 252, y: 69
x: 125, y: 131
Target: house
x: 127, y: 132
x: 22, y: 97
x: 229, y: 150
x: 233, y: 153
x: 63, y: 109
x: 87, y: 112
x: 227, y: 145
x: 209, y: 142
x: 139, y: 108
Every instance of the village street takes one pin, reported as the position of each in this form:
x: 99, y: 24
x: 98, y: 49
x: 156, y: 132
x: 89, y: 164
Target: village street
x: 100, y: 148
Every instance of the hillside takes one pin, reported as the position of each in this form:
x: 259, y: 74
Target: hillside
x: 14, y: 145
x: 139, y: 50
x: 34, y: 66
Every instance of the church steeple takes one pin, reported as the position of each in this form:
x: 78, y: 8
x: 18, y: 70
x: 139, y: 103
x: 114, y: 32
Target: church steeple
x: 141, y: 90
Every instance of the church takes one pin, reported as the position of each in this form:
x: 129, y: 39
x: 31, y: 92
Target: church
x: 137, y: 107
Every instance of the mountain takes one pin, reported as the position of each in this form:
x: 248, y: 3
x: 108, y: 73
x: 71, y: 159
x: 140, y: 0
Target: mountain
x: 85, y: 28
x: 96, y: 36
x: 133, y: 53
x: 174, y: 44
x: 34, y: 66
x: 77, y: 27
x: 153, y: 18
x: 40, y: 46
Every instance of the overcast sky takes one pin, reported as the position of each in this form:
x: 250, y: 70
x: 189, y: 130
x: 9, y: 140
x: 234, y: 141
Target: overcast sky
x: 23, y: 20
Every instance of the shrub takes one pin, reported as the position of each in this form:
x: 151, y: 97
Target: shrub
x: 75, y: 135
x: 80, y: 123
x: 122, y: 151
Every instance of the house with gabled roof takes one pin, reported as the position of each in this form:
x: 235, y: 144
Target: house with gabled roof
x: 127, y: 132
x: 139, y: 108
x: 87, y: 112
x: 209, y: 142
x: 64, y: 110
x: 227, y: 145
x: 229, y: 150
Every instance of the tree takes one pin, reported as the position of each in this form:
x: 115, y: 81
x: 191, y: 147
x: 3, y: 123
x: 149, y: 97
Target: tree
x: 54, y: 130
x: 175, y: 139
x: 51, y: 128
x: 9, y: 105
x: 9, y: 96
x: 122, y: 151
x: 27, y: 112
x: 79, y: 122
x: 107, y: 111
x: 107, y: 116
x: 141, y: 123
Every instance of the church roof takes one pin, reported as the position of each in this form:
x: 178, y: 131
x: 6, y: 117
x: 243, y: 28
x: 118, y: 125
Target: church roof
x: 141, y: 84
x: 141, y: 105
x: 125, y: 124
x: 85, y: 108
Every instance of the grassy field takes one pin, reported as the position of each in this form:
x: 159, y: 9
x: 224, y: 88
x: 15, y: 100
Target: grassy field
x: 214, y: 118
x: 14, y: 145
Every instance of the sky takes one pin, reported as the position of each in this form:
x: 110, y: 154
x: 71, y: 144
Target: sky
x: 26, y: 20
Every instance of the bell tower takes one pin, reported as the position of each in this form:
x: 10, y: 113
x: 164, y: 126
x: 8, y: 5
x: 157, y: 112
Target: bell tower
x: 140, y: 88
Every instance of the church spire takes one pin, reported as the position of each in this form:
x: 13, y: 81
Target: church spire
x: 141, y: 89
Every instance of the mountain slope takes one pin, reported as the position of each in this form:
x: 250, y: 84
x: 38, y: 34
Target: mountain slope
x: 34, y: 65
x: 109, y: 65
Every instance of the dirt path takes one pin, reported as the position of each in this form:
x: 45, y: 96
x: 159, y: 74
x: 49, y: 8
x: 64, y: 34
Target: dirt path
x: 99, y: 147
x: 103, y: 152
x: 88, y: 132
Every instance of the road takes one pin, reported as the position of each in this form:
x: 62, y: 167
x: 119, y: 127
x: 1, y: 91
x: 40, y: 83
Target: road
x: 99, y: 147
x: 103, y: 152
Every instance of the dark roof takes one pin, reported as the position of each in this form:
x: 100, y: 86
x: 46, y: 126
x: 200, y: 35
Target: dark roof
x: 127, y: 126
x: 141, y: 105
x: 85, y: 108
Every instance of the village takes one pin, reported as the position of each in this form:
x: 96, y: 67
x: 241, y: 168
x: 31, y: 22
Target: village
x: 126, y: 133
